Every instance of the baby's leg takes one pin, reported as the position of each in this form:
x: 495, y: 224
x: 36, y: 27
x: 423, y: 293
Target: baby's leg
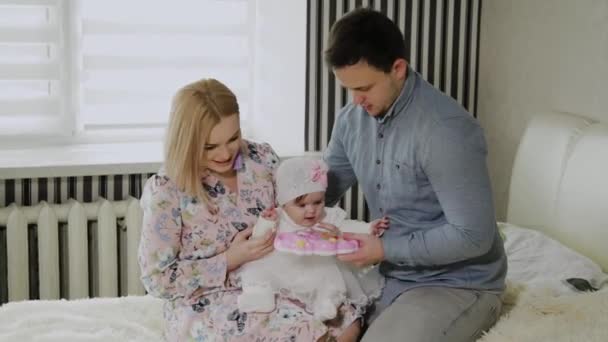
x: 325, y: 306
x: 256, y: 298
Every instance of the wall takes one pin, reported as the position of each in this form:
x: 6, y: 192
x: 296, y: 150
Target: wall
x: 538, y: 56
x: 441, y: 44
x: 279, y: 73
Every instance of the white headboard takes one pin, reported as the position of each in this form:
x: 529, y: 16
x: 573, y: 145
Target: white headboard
x: 559, y: 183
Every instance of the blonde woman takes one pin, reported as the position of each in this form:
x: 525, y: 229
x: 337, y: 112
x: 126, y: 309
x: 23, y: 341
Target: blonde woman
x: 199, y: 210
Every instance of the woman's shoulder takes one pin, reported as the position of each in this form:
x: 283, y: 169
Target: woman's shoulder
x: 160, y: 188
x: 160, y: 180
x: 260, y: 153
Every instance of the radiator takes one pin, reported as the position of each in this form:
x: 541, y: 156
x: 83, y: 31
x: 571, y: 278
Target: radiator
x: 83, y: 249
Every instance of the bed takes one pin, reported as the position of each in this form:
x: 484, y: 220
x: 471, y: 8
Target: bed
x: 555, y: 236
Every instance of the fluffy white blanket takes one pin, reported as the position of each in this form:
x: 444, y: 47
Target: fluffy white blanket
x: 86, y: 320
x: 546, y: 315
x: 530, y: 315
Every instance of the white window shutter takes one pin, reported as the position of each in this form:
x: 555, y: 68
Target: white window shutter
x: 30, y: 67
x: 136, y: 54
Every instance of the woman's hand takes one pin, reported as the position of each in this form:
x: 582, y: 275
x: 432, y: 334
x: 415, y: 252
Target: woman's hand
x: 243, y: 249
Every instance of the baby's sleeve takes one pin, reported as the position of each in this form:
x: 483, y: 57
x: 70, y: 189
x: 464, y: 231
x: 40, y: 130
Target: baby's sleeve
x: 337, y: 217
x: 354, y: 226
x: 262, y: 226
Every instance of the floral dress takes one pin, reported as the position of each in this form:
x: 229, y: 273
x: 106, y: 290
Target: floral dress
x: 182, y: 259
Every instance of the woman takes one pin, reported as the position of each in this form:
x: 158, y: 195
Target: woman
x: 199, y: 211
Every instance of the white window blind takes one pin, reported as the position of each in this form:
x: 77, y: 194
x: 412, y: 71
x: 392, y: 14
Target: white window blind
x: 75, y: 68
x: 30, y: 69
x: 137, y: 53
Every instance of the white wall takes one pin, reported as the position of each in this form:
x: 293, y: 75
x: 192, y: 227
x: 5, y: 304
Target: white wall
x: 280, y: 75
x: 538, y: 56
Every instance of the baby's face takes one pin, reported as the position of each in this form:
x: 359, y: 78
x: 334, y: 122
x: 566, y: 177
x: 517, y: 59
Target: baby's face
x: 307, y: 210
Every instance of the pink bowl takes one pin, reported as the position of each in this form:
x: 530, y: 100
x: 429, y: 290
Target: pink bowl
x: 313, y: 242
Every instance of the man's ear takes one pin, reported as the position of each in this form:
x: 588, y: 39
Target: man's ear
x: 400, y: 68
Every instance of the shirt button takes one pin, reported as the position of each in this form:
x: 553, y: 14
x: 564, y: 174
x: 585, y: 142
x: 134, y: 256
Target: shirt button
x: 378, y: 186
x: 397, y: 166
x: 378, y: 161
x: 381, y: 210
x: 380, y: 135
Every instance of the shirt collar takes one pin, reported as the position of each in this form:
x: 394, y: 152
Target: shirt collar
x: 404, y: 96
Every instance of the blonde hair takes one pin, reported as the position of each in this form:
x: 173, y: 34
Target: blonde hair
x: 196, y: 109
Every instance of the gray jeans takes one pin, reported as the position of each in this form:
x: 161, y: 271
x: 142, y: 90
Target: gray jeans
x: 434, y: 314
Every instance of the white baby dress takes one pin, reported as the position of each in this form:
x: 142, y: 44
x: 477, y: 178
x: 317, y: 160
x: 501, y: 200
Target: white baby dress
x: 321, y: 283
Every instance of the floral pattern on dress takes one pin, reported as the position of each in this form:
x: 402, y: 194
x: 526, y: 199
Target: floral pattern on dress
x: 181, y: 256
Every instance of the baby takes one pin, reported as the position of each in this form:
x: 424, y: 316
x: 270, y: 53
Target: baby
x: 321, y: 283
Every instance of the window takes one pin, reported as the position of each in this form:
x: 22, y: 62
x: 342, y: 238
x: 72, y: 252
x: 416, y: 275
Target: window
x: 31, y: 81
x: 104, y: 71
x: 93, y: 69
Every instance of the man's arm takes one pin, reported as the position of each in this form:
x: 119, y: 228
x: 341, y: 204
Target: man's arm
x: 341, y: 175
x: 454, y: 161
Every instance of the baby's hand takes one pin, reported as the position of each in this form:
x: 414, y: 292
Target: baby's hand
x: 270, y: 214
x: 269, y: 220
x: 330, y: 228
x: 379, y: 226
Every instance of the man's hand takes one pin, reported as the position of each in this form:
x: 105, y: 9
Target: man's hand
x: 371, y: 250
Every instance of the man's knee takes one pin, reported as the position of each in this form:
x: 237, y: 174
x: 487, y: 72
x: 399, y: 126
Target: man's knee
x: 434, y: 314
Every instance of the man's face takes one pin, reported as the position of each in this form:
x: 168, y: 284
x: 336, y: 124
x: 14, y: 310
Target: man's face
x: 371, y: 88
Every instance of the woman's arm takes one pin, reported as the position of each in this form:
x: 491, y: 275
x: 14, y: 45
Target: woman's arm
x: 164, y: 272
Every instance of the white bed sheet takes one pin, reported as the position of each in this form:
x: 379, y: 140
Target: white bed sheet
x: 535, y: 261
x: 538, y: 261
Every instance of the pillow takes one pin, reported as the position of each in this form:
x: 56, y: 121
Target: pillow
x: 537, y: 260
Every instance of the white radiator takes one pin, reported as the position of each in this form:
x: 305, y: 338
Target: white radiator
x: 115, y: 230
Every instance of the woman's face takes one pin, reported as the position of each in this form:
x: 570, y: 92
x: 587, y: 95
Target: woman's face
x: 223, y: 145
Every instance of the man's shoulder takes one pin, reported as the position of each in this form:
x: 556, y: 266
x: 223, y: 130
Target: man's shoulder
x: 437, y: 106
x: 350, y: 117
x: 442, y: 116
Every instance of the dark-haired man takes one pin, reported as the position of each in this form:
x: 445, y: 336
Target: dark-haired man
x: 419, y: 158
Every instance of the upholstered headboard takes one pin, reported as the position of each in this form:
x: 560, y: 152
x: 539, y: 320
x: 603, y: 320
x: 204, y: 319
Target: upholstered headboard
x: 559, y: 183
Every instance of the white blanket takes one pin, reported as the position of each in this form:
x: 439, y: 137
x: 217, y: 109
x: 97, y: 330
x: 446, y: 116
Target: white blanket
x: 547, y: 310
x: 545, y: 315
x: 532, y: 315
x: 87, y: 320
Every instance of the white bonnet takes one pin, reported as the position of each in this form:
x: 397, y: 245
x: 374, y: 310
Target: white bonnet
x: 299, y: 176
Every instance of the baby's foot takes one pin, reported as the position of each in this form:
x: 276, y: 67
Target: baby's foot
x: 324, y: 310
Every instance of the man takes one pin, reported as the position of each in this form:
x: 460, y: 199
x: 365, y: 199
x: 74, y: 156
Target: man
x: 419, y: 158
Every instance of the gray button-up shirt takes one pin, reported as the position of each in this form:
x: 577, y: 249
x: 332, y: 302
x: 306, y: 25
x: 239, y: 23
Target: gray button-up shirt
x: 422, y: 165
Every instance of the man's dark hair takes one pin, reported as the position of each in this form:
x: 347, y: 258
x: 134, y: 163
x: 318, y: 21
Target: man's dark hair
x: 368, y: 35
